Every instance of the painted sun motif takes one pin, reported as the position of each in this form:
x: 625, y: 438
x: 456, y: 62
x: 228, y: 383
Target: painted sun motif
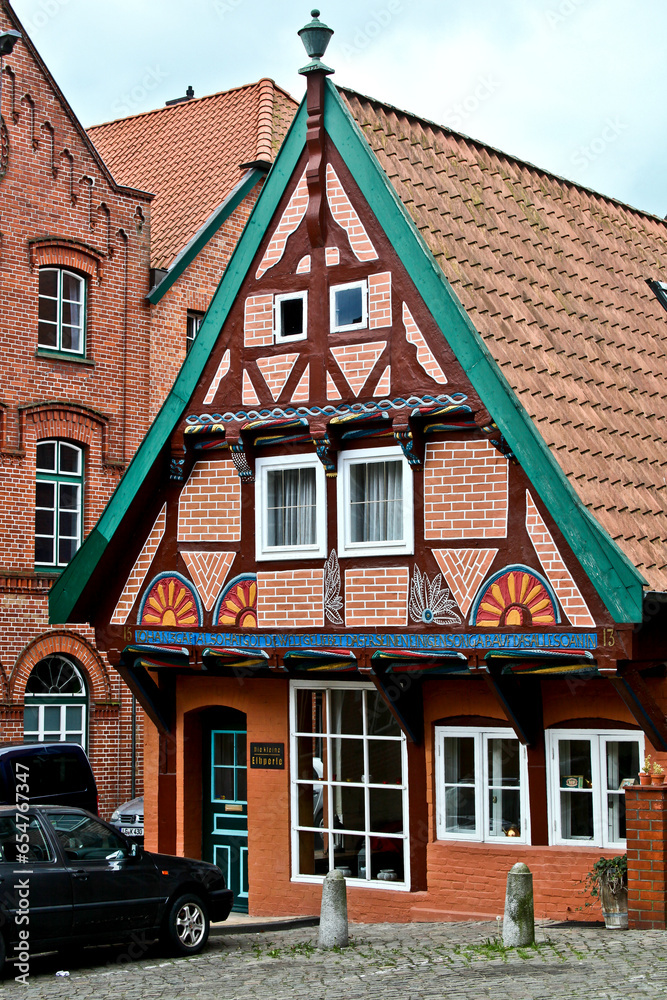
x: 516, y: 597
x: 237, y: 605
x: 170, y: 603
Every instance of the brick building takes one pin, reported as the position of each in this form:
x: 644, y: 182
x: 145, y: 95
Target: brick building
x: 91, y: 351
x: 388, y: 570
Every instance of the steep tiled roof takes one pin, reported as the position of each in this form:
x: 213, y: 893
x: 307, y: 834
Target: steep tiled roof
x: 189, y: 155
x: 553, y: 276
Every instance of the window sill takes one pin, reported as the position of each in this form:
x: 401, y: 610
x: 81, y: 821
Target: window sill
x: 78, y: 359
x: 45, y: 571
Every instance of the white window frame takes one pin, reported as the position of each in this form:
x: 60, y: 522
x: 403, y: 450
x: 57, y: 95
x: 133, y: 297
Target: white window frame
x: 281, y: 338
x: 57, y: 478
x: 263, y: 551
x: 363, y: 285
x: 365, y: 456
x: 481, y: 737
x: 598, y: 741
x: 368, y: 883
x: 83, y: 285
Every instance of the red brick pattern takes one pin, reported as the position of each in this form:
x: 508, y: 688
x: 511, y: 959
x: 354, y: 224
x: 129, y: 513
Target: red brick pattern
x: 258, y: 321
x: 357, y: 361
x: 376, y: 596
x: 646, y: 829
x: 223, y: 369
x: 275, y: 372
x: 290, y: 599
x: 332, y: 391
x: 302, y: 392
x: 208, y: 570
x: 249, y: 396
x: 557, y: 573
x: 332, y: 256
x: 464, y: 570
x: 140, y: 569
x: 289, y: 223
x: 347, y: 218
x: 383, y: 388
x: 465, y: 491
x: 424, y: 354
x: 209, y: 507
x: 303, y: 267
x: 379, y: 300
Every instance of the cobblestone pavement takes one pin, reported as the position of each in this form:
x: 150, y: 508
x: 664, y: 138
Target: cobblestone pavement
x: 462, y: 961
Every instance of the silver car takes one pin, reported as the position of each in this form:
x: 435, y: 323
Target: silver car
x: 129, y: 819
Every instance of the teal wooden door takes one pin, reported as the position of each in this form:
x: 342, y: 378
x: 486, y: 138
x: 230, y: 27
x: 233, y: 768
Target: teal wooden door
x: 225, y: 812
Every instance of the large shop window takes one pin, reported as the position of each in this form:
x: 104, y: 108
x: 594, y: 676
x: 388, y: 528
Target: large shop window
x: 349, y: 786
x: 58, y: 500
x: 55, y: 703
x: 482, y: 785
x: 62, y: 298
x: 290, y: 508
x: 374, y: 503
x: 587, y: 776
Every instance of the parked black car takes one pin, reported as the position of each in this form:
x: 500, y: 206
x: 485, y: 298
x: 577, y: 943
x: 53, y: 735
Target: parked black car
x: 80, y: 881
x: 54, y: 774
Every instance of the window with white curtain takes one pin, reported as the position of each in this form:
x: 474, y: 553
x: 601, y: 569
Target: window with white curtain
x: 587, y: 776
x: 481, y: 785
x: 374, y: 503
x: 290, y: 507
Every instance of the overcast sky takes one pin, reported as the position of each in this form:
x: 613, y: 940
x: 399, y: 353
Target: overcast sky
x: 577, y: 87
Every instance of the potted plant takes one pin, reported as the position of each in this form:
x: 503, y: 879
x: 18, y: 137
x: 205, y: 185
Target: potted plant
x: 608, y: 882
x: 657, y: 774
x: 645, y: 773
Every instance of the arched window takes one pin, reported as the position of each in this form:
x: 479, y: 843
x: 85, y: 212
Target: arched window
x: 58, y: 500
x: 62, y: 298
x: 55, y: 703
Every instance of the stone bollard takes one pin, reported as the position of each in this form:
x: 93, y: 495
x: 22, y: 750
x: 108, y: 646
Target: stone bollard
x: 333, y: 915
x: 519, y: 922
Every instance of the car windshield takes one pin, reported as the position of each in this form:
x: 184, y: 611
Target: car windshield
x: 84, y: 838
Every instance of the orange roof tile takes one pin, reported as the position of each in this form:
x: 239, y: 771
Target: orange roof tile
x: 189, y: 155
x: 553, y: 276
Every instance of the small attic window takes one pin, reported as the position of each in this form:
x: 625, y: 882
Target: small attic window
x: 349, y: 306
x: 291, y: 316
x: 660, y: 290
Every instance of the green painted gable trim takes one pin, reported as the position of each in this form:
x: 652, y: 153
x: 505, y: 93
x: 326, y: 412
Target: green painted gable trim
x: 207, y: 231
x: 618, y: 582
x: 68, y: 589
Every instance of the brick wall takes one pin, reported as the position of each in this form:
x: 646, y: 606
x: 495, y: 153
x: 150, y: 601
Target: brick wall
x: 357, y: 361
x: 425, y: 356
x: 646, y: 819
x: 465, y: 491
x: 209, y: 508
x: 258, y: 321
x: 347, y: 218
x: 276, y: 371
x: 379, y: 300
x: 290, y: 599
x: 376, y: 596
x: 289, y: 222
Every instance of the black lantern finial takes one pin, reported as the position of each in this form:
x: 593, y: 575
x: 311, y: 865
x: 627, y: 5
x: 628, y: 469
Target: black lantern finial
x: 315, y: 37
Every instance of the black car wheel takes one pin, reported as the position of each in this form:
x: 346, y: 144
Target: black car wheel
x: 186, y: 926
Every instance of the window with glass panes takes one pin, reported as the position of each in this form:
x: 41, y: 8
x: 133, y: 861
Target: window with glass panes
x: 374, y: 502
x: 349, y: 785
x: 55, y: 703
x: 482, y: 785
x: 348, y: 306
x: 58, y: 500
x: 587, y: 776
x: 290, y: 507
x: 229, y: 781
x: 61, y: 320
x: 193, y: 321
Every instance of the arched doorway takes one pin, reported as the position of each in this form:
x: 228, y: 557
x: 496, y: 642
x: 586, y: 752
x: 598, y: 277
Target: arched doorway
x: 55, y: 702
x: 225, y: 798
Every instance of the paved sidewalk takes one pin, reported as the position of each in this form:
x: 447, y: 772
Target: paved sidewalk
x: 461, y: 961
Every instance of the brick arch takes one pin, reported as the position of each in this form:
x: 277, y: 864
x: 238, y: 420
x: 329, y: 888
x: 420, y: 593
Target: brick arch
x: 67, y: 253
x: 70, y: 421
x: 67, y: 643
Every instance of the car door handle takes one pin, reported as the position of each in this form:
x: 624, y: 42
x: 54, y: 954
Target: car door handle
x: 81, y: 875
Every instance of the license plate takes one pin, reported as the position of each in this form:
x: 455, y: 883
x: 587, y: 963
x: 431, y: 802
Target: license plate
x: 132, y: 831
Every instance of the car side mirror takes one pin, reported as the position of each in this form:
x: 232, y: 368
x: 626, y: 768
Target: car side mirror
x: 135, y: 851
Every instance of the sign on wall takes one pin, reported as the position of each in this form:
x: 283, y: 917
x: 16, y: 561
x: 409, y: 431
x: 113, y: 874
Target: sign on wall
x: 270, y: 756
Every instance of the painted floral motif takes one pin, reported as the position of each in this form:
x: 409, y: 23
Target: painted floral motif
x: 237, y: 605
x: 517, y: 596
x: 430, y: 602
x: 170, y: 602
x: 333, y: 602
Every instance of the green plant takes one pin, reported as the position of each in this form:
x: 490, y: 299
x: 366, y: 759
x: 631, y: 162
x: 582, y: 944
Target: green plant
x: 657, y: 768
x: 611, y: 871
x: 646, y: 766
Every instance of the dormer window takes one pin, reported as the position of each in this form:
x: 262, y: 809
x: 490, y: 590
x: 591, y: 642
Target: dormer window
x: 349, y: 306
x: 290, y: 317
x: 660, y: 290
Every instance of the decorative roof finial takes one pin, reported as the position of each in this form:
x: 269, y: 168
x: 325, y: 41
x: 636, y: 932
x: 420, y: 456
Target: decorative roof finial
x: 315, y: 37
